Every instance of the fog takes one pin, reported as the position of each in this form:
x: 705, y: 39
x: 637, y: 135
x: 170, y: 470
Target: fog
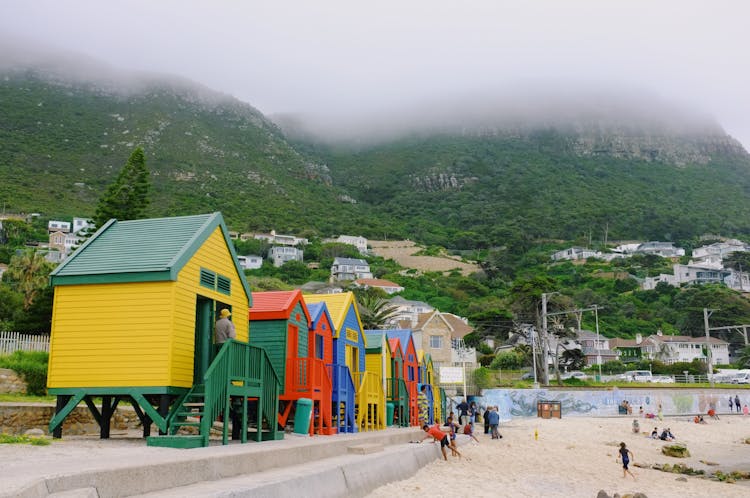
x: 348, y: 64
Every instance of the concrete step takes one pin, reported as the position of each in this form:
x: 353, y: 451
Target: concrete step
x: 342, y: 476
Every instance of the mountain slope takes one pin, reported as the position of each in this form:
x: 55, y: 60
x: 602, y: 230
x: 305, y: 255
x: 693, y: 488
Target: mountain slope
x: 470, y: 179
x: 63, y: 140
x: 569, y: 180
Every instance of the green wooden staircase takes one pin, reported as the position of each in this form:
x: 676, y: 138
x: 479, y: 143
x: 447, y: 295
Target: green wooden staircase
x: 240, y: 375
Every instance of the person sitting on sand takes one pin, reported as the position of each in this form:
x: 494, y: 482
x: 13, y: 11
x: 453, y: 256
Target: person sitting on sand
x: 636, y: 426
x: 640, y: 411
x: 626, y: 455
x: 665, y: 435
x: 438, y: 435
x: 712, y: 414
x: 655, y: 433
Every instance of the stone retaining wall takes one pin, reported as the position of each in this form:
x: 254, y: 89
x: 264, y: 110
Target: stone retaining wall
x: 17, y: 418
x: 11, y: 382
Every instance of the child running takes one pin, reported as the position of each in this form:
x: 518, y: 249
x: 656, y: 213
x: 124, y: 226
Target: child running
x: 626, y: 456
x: 438, y: 435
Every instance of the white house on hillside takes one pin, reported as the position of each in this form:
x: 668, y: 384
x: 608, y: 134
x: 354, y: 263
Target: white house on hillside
x: 250, y: 262
x: 350, y: 269
x: 575, y: 253
x: 692, y: 273
x: 281, y: 240
x: 281, y: 254
x: 359, y: 242
x: 407, y: 312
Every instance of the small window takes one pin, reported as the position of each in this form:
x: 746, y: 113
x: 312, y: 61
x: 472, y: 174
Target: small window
x: 224, y: 285
x: 436, y: 342
x: 208, y: 279
x: 319, y: 345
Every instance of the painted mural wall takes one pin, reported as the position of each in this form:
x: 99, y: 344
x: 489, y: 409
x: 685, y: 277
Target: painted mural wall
x: 579, y: 403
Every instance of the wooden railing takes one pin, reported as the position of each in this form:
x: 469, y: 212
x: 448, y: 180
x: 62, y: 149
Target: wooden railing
x: 307, y: 375
x: 344, y: 392
x: 370, y: 401
x: 245, y: 370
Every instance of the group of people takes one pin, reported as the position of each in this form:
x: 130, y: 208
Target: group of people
x: 735, y: 404
x: 666, y: 434
x: 467, y: 415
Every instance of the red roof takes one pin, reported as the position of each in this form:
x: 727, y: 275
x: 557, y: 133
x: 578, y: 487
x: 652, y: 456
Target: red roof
x: 395, y: 346
x: 376, y: 282
x: 276, y: 305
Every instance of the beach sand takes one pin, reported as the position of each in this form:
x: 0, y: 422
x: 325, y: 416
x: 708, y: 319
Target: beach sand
x: 576, y: 457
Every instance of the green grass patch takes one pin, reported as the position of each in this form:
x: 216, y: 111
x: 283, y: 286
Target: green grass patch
x: 25, y: 398
x: 23, y: 439
x: 31, y: 366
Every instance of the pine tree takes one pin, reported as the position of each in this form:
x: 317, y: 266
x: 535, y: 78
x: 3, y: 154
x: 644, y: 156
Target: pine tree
x: 127, y: 197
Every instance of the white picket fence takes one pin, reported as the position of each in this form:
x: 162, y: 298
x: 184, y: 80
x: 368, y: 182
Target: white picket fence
x: 16, y: 341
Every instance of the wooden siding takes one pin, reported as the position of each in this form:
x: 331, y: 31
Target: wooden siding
x: 351, y: 322
x: 213, y: 255
x: 271, y: 335
x: 139, y: 333
x: 111, y: 335
x: 302, y: 326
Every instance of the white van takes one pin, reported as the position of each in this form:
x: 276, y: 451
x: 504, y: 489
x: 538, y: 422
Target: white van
x: 741, y: 378
x: 638, y: 376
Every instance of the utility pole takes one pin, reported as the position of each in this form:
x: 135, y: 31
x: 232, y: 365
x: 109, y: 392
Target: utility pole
x: 533, y: 354
x: 710, y: 369
x: 545, y: 345
x: 598, y: 343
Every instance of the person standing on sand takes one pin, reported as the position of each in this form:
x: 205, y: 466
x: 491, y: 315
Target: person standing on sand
x: 731, y: 404
x: 737, y: 403
x: 463, y: 412
x: 626, y: 456
x: 486, y: 420
x: 659, y: 414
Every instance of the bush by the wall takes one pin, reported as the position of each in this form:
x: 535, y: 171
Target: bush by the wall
x: 31, y: 366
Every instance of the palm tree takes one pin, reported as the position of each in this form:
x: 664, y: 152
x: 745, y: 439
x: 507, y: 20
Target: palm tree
x: 374, y: 310
x: 28, y: 273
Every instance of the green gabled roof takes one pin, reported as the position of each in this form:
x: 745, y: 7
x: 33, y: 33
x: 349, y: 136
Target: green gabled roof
x: 141, y: 250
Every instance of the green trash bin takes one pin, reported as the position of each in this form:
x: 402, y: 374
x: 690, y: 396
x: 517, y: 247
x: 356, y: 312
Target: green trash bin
x: 389, y: 409
x: 302, y: 416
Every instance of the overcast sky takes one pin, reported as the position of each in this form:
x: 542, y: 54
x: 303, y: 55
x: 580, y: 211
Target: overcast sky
x: 343, y: 56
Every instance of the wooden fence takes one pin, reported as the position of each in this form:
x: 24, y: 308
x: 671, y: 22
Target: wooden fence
x: 16, y: 341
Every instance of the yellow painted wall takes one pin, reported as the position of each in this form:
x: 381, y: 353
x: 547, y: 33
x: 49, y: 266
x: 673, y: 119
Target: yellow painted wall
x: 138, y: 334
x: 111, y: 335
x: 215, y: 256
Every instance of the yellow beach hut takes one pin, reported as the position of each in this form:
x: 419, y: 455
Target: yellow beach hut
x: 133, y: 316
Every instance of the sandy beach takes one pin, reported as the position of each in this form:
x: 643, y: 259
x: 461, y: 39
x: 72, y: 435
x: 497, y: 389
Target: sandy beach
x: 576, y: 457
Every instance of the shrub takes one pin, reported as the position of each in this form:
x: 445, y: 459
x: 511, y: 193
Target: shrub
x: 483, y: 378
x: 31, y: 366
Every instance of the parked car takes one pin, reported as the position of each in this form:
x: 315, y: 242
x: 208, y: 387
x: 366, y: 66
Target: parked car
x: 638, y: 376
x: 664, y: 379
x: 528, y: 376
x: 741, y: 378
x: 575, y: 375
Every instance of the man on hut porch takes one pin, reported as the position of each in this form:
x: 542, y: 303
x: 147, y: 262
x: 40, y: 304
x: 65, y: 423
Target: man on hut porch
x: 223, y: 330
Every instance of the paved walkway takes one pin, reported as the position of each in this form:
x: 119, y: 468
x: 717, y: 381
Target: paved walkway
x: 339, y: 465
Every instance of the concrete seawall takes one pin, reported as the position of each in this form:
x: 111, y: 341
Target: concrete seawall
x: 317, y: 466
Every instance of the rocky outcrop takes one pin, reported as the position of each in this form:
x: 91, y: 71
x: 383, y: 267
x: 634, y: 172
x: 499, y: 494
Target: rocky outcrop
x: 16, y: 418
x: 11, y: 382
